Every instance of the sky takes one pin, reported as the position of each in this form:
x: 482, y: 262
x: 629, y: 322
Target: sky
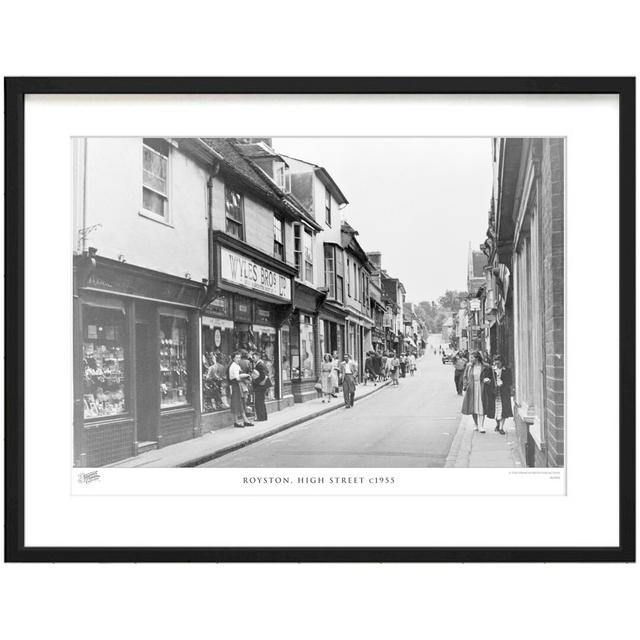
x: 420, y: 201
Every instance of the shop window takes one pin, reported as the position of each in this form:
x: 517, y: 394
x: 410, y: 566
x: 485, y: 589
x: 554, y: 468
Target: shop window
x: 155, y: 159
x: 103, y: 356
x: 174, y: 380
x: 285, y: 345
x: 278, y: 238
x: 234, y: 212
x: 217, y: 348
x: 265, y: 340
x: 307, y: 347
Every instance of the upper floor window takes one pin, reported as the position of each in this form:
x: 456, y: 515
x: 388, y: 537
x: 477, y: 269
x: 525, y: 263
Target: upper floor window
x: 327, y: 207
x: 348, y: 277
x: 282, y: 177
x: 334, y: 272
x: 234, y: 212
x: 308, y: 255
x: 155, y: 160
x: 297, y: 247
x: 278, y: 238
x: 303, y: 252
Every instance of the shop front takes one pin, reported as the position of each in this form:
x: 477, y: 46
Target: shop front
x: 331, y: 323
x: 134, y: 360
x: 301, y: 348
x: 248, y: 300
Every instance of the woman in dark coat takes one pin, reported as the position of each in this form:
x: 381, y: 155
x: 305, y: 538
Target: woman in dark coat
x: 477, y: 385
x: 499, y: 407
x: 261, y: 383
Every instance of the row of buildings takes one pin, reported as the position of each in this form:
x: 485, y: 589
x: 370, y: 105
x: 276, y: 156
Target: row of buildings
x: 190, y: 249
x: 515, y: 303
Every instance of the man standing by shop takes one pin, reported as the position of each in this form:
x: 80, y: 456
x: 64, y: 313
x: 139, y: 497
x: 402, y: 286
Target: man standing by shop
x: 459, y: 365
x: 236, y: 380
x: 261, y: 384
x: 348, y: 370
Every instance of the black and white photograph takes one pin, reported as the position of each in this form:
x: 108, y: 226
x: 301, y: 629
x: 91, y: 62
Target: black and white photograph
x: 318, y: 302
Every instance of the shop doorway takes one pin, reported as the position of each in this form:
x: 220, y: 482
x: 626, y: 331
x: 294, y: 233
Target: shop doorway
x: 147, y: 402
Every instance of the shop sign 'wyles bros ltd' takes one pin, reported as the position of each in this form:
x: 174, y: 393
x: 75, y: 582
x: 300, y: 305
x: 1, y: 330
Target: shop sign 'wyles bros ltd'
x: 246, y: 273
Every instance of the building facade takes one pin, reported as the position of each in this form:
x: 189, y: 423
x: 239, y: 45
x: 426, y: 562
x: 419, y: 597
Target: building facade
x: 525, y: 248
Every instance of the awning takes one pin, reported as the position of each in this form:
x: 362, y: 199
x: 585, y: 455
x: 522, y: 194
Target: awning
x: 410, y: 341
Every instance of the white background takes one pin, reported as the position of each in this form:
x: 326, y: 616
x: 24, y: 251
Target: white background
x: 321, y: 601
x: 53, y: 517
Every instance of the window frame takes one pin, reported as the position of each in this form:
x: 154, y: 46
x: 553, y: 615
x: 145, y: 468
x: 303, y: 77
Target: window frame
x: 298, y: 248
x: 148, y: 213
x: 308, y: 265
x: 283, y: 255
x: 228, y: 218
x: 327, y: 207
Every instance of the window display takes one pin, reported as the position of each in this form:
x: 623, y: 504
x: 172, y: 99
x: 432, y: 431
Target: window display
x: 103, y: 355
x: 285, y: 343
x: 174, y: 381
x: 307, y: 346
x: 266, y: 340
x: 217, y: 347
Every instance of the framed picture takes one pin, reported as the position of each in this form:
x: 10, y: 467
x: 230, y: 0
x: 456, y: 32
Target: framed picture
x: 444, y: 274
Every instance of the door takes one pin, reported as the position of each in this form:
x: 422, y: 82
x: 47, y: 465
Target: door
x: 147, y: 409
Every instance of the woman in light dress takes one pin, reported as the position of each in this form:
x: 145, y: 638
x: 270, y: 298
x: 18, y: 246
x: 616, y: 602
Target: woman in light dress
x: 327, y: 377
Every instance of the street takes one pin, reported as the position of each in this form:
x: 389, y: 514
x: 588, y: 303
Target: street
x: 412, y: 425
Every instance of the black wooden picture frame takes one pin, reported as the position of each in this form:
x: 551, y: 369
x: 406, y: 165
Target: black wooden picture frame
x: 16, y: 89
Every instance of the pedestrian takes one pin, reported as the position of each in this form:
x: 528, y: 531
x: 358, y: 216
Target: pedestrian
x: 336, y: 374
x: 477, y: 381
x: 348, y: 370
x: 236, y: 379
x: 395, y: 370
x: 327, y: 377
x: 499, y: 407
x: 369, y: 369
x: 459, y: 366
x: 403, y: 364
x: 377, y: 366
x: 412, y: 363
x: 261, y: 383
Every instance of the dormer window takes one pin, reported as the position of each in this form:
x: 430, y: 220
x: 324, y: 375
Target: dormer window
x: 282, y: 177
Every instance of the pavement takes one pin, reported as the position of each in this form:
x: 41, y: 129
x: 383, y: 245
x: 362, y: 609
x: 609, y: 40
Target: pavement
x: 416, y: 424
x: 471, y: 448
x: 409, y: 425
x: 220, y: 442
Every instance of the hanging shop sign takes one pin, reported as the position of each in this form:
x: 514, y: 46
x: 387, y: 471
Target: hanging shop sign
x: 216, y: 322
x: 474, y: 304
x: 263, y: 314
x: 242, y: 309
x: 218, y: 307
x: 244, y: 272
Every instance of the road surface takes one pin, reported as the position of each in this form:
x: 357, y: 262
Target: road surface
x: 411, y: 425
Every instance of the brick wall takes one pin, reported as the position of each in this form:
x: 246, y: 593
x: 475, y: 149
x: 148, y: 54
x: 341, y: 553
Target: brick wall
x: 176, y: 426
x: 552, y: 209
x: 106, y: 443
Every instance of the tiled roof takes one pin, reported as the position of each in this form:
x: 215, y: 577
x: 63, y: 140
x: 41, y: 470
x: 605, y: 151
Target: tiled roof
x: 247, y: 170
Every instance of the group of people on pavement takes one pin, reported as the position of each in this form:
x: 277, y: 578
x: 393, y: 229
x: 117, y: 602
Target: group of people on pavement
x: 378, y: 367
x: 248, y: 373
x: 486, y: 385
x: 335, y: 373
